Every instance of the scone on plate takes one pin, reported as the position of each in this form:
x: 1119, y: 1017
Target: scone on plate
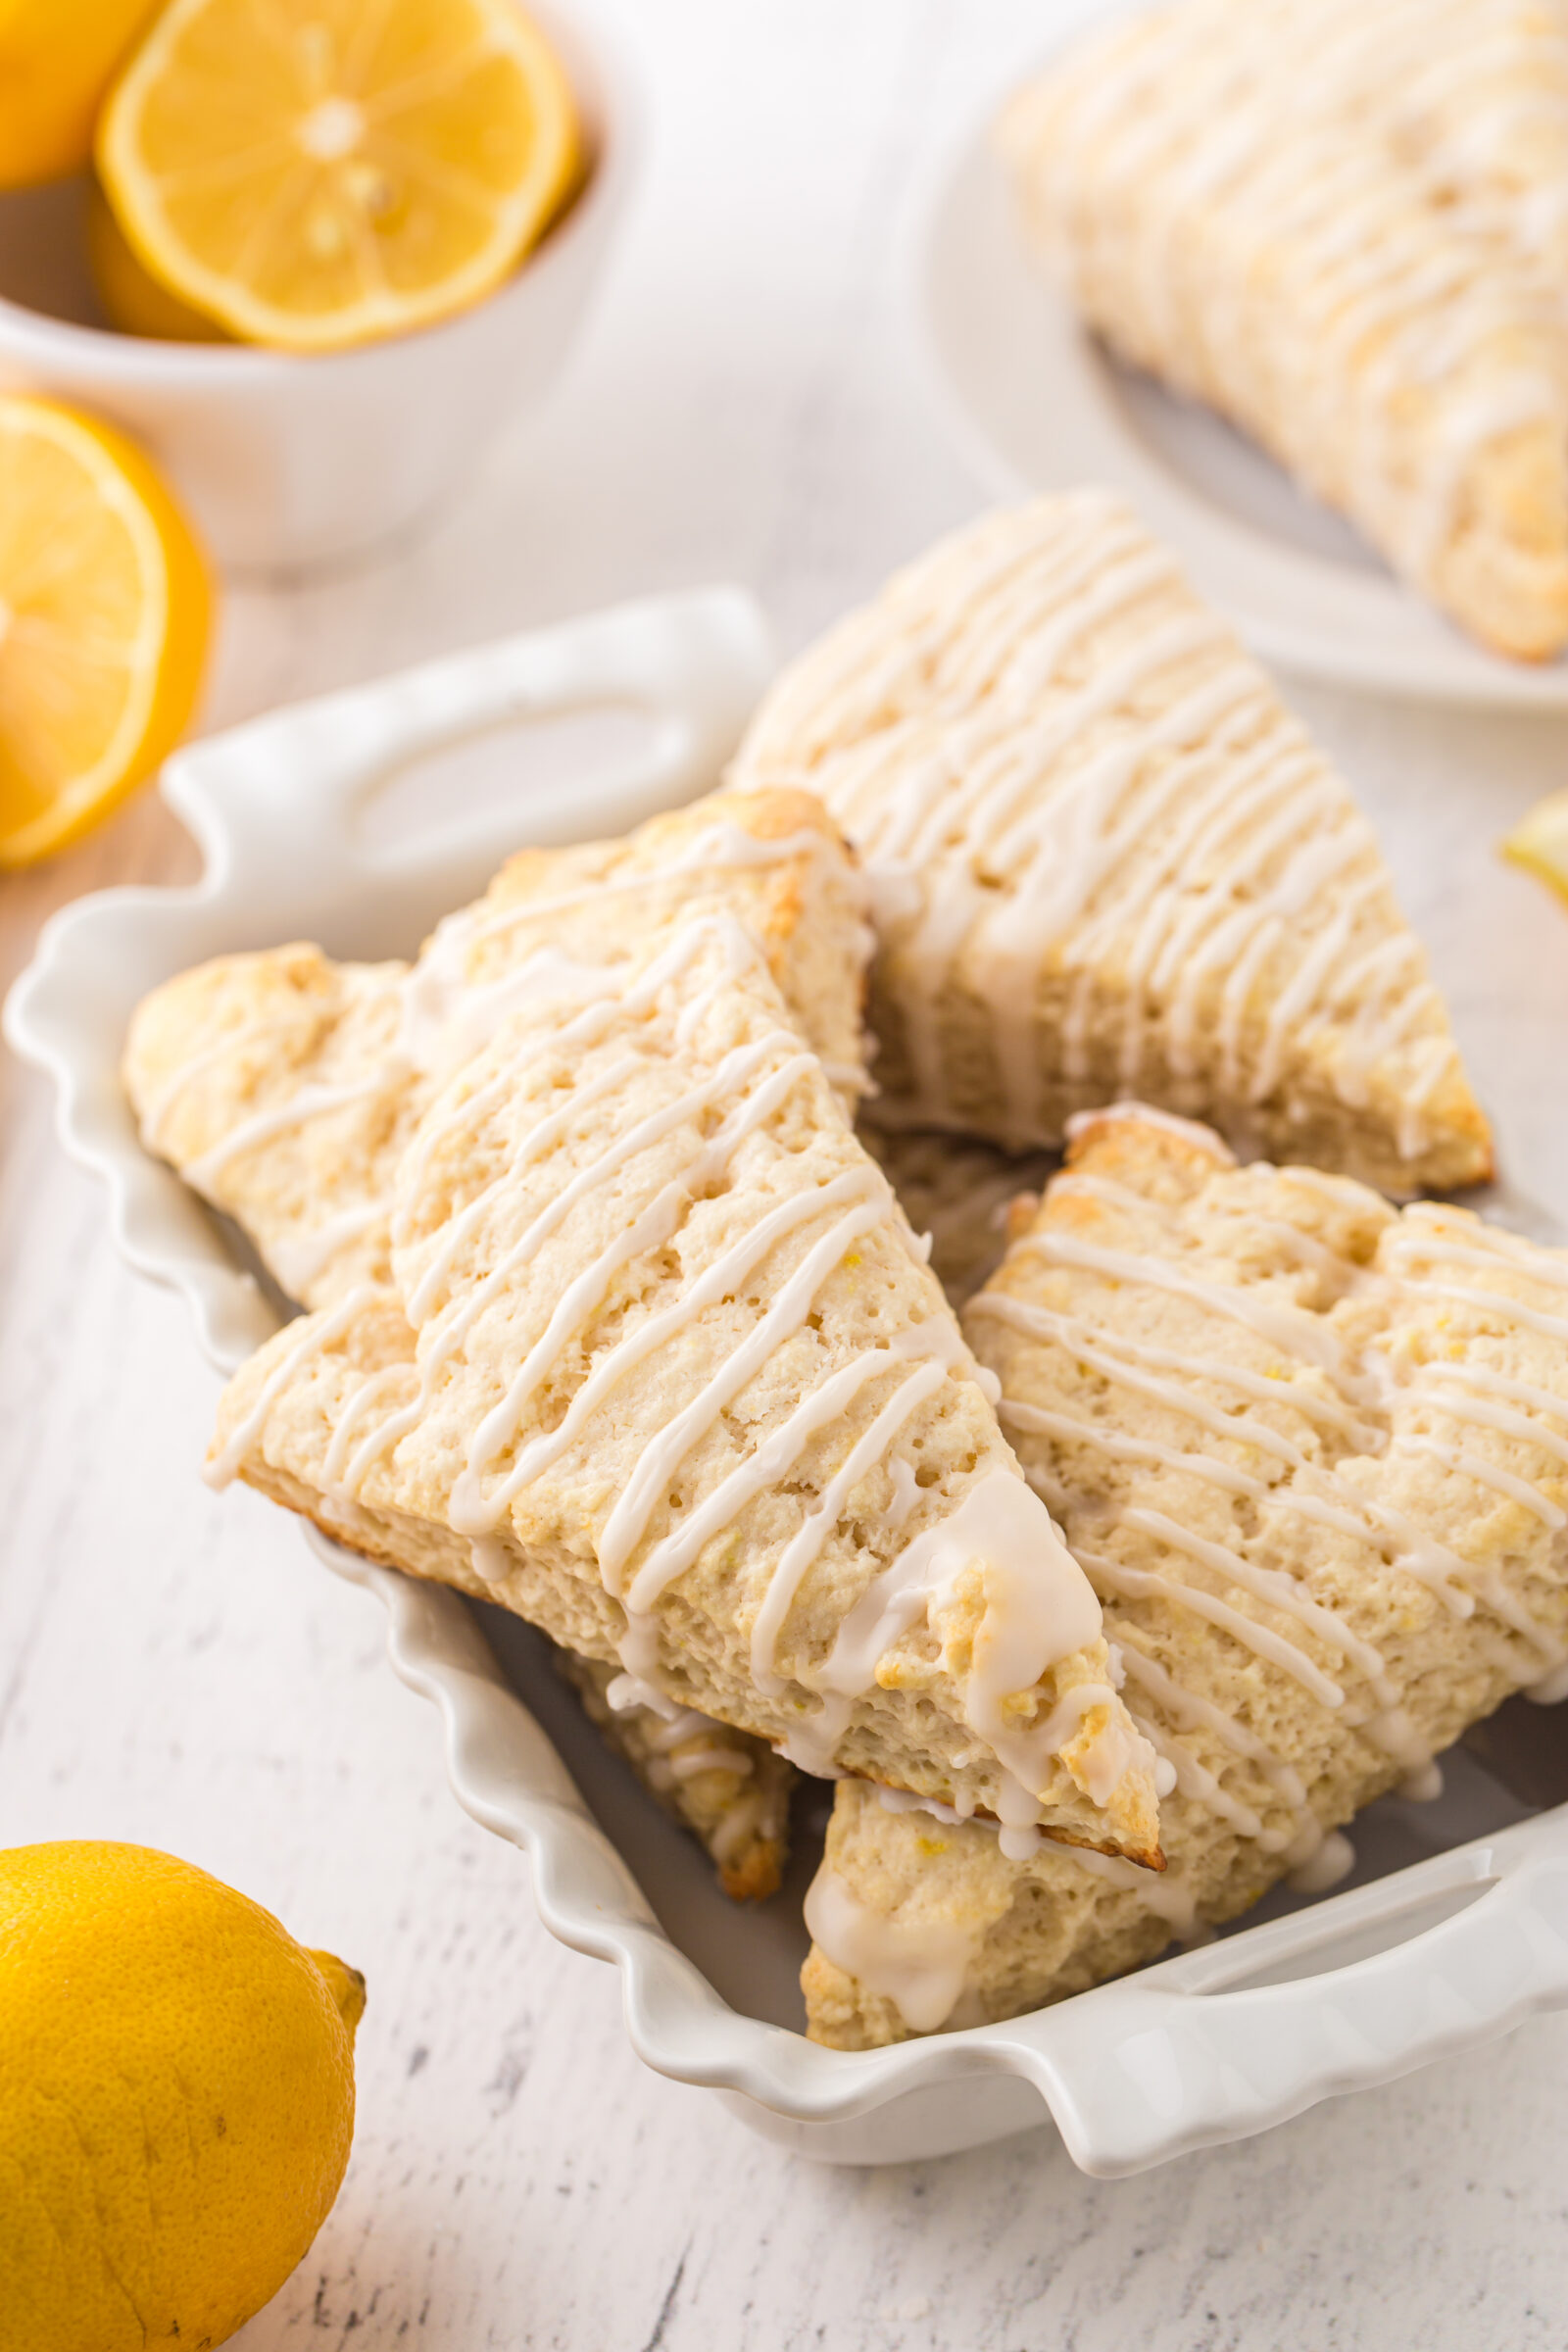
x: 731, y: 1791
x: 1313, y: 1454
x: 1345, y: 227
x: 1104, y: 860
x: 284, y: 1087
x: 662, y: 1368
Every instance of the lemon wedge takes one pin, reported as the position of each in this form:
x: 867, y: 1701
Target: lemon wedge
x: 57, y: 59
x: 105, y: 612
x: 315, y: 176
x: 1540, y: 843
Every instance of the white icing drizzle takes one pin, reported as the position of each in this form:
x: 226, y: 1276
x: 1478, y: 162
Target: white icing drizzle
x: 1463, y: 1392
x: 1318, y: 1493
x: 1036, y: 1607
x: 1187, y: 1708
x: 1331, y: 1861
x: 297, y: 1260
x: 1146, y: 1584
x: 806, y: 1543
x: 1486, y: 1474
x: 757, y: 1814
x: 629, y: 1695
x: 786, y: 1314
x: 310, y: 1103
x: 906, y: 1492
x: 1551, y: 1688
x: 220, y: 1054
x: 1164, y: 1893
x: 668, y: 1743
x: 919, y: 1965
x: 441, y: 1017
x: 224, y: 1466
x: 492, y: 1561
x: 1290, y: 1329
x: 1000, y: 737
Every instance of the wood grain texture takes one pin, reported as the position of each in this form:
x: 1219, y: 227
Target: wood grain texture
x: 176, y: 1668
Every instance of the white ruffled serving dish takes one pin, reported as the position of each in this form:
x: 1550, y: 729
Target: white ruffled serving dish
x: 296, y: 815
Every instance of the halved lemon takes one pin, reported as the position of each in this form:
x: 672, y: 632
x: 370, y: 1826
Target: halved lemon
x: 314, y: 173
x: 1541, y: 841
x: 104, y: 613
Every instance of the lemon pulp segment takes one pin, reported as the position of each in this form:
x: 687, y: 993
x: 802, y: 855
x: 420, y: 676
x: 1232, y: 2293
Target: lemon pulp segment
x: 314, y: 173
x: 105, y: 611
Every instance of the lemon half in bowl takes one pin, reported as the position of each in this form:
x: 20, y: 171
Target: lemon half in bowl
x: 316, y: 177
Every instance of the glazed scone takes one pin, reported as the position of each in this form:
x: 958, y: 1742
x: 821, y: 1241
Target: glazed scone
x: 956, y: 1191
x: 1103, y: 859
x: 665, y: 1371
x: 1313, y: 1454
x: 730, y: 1790
x: 284, y: 1087
x: 1345, y: 227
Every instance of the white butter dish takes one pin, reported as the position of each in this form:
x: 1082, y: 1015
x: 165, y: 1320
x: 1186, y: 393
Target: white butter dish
x: 1429, y: 1958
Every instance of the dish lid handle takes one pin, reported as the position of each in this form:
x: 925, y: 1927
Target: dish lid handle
x: 1225, y: 2041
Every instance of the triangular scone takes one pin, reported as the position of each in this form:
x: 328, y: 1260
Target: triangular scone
x: 665, y: 1372
x: 1105, y: 860
x: 1344, y: 226
x: 1314, y: 1456
x: 284, y: 1087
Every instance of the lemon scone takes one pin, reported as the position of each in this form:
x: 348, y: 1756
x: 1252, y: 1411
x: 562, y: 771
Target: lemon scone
x: 1104, y: 860
x: 284, y: 1087
x: 662, y: 1368
x: 1345, y: 228
x: 731, y: 1791
x: 1313, y: 1454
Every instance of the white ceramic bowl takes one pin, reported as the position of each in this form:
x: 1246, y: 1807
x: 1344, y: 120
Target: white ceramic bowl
x: 288, y: 461
x: 1427, y: 1960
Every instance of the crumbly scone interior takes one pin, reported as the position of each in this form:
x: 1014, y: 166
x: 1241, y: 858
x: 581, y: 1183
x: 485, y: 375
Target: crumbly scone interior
x: 664, y: 1369
x: 1104, y: 860
x: 1345, y: 227
x: 284, y: 1087
x: 1313, y: 1453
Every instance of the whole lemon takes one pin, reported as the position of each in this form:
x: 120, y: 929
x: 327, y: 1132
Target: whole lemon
x: 176, y: 2100
x: 57, y: 59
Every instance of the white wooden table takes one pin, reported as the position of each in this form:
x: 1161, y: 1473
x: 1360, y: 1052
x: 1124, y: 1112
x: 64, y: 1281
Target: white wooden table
x: 176, y: 1668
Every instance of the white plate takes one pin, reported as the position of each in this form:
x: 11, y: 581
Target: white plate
x: 1039, y: 405
x: 303, y: 820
